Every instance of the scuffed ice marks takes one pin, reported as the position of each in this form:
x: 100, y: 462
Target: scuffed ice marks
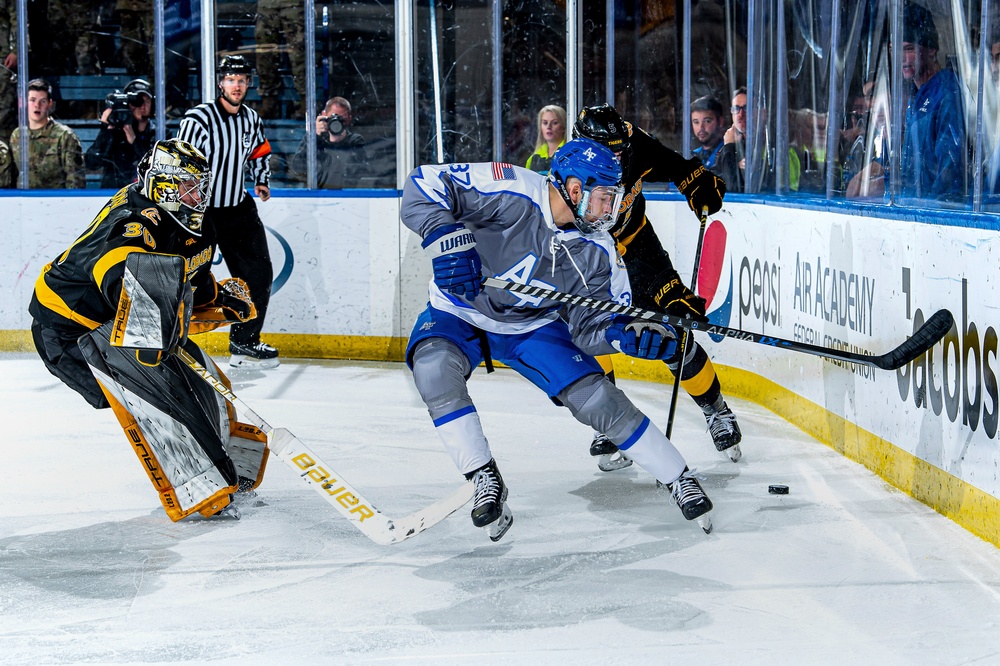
x: 111, y: 560
x: 505, y: 593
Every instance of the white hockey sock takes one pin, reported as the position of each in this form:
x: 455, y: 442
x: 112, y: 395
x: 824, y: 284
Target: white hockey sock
x: 463, y: 438
x: 651, y: 449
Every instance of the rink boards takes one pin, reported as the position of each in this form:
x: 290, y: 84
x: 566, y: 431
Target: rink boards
x: 350, y: 280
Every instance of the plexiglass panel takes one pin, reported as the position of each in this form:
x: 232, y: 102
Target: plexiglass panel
x: 454, y: 83
x: 534, y: 77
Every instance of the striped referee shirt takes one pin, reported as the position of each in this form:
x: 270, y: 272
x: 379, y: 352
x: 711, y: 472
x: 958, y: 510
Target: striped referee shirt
x: 235, y: 146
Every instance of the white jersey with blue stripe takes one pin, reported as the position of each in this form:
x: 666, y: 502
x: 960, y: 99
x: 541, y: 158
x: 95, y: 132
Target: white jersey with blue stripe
x: 507, y: 209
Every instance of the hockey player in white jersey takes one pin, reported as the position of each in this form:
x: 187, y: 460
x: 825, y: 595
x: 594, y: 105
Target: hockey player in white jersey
x: 504, y: 221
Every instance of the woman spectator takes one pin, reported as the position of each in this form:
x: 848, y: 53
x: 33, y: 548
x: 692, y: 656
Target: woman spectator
x: 551, y: 135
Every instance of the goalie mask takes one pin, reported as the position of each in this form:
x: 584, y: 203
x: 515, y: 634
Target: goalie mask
x: 176, y: 177
x: 603, y: 125
x: 600, y: 174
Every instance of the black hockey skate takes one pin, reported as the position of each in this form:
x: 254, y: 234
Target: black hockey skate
x: 609, y: 458
x: 687, y: 493
x: 253, y: 354
x: 725, y: 432
x: 489, y: 505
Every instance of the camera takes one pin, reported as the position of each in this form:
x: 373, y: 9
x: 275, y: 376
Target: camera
x: 334, y: 123
x: 121, y: 114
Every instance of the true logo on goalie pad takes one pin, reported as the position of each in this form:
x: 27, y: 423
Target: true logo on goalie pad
x: 321, y: 477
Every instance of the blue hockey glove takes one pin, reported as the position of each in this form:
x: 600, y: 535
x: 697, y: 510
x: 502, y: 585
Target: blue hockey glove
x: 641, y: 338
x: 457, y: 267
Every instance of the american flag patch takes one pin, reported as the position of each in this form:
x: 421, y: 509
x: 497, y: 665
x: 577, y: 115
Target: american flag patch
x: 503, y: 171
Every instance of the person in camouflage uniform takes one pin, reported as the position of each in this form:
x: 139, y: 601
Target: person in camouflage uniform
x: 6, y: 167
x: 136, y: 18
x: 8, y: 70
x: 55, y: 158
x: 280, y: 21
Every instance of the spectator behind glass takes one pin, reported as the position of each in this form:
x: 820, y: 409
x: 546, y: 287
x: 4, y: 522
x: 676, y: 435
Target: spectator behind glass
x: 731, y: 162
x: 807, y: 151
x: 706, y: 126
x: 867, y: 153
x: 995, y: 59
x: 7, y: 171
x: 551, y: 135
x: 55, y: 158
x: 280, y: 27
x: 341, y: 158
x: 8, y: 67
x: 118, y: 149
x: 934, y: 140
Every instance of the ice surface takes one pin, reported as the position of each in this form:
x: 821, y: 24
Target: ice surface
x: 598, y: 568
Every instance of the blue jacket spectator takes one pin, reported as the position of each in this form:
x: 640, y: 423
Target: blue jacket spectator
x: 935, y: 149
x: 934, y: 144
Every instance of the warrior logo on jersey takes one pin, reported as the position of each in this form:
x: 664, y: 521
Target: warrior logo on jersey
x: 503, y: 171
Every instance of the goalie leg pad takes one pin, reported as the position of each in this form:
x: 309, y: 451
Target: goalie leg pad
x: 174, y: 422
x: 247, y: 447
x: 155, y: 303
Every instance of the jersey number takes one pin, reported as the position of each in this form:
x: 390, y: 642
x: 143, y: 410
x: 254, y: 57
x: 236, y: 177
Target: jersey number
x: 135, y: 230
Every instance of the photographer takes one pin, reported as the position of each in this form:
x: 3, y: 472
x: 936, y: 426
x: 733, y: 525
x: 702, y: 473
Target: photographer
x: 126, y: 134
x: 340, y: 153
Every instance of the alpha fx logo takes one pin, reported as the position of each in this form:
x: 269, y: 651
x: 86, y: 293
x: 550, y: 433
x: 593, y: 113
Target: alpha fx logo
x: 940, y: 378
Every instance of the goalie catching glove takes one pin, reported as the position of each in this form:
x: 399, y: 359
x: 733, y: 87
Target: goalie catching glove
x: 641, y: 338
x: 676, y: 299
x: 233, y: 300
x: 701, y: 187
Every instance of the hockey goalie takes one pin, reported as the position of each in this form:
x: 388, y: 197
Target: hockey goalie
x: 110, y: 309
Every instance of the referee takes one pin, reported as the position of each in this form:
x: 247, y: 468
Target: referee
x: 231, y: 135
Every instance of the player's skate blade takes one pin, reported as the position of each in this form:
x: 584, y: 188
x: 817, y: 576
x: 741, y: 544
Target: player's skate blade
x: 499, y: 527
x: 734, y: 453
x: 705, y: 522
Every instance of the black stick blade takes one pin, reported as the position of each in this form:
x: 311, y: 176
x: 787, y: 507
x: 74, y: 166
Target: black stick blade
x: 922, y: 339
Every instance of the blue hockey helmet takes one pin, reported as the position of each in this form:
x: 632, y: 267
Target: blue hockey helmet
x: 600, y: 174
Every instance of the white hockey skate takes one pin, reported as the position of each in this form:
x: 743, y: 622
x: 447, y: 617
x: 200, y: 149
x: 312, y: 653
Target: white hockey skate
x: 609, y: 458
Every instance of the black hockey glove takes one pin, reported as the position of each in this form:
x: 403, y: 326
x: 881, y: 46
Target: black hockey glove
x: 233, y: 299
x: 701, y: 187
x: 678, y: 300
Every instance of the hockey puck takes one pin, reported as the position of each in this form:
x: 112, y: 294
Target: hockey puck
x: 778, y: 489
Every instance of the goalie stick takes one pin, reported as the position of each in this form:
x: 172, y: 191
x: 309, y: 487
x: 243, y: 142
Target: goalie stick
x: 922, y: 339
x: 343, y: 497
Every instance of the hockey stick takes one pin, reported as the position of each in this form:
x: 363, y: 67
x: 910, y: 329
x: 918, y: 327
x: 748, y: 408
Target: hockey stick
x: 922, y: 339
x: 686, y: 336
x: 351, y: 504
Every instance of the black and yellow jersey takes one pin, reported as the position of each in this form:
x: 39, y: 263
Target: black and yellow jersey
x: 83, y: 284
x: 648, y: 264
